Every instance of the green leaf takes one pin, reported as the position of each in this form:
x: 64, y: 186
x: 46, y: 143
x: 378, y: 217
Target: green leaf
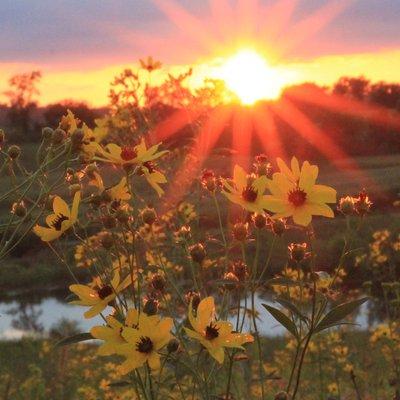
x: 80, y: 337
x: 285, y: 321
x: 292, y: 307
x: 338, y: 313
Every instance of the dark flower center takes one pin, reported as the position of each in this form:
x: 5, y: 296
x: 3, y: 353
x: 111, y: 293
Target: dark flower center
x: 249, y: 194
x: 150, y: 166
x: 128, y: 153
x: 211, y: 331
x: 145, y: 345
x: 297, y: 197
x: 104, y: 292
x: 57, y: 223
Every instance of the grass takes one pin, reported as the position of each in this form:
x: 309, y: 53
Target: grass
x: 35, y: 369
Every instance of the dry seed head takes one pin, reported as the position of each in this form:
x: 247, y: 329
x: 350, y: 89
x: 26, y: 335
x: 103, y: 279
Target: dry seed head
x: 14, y: 152
x: 197, y: 252
x: 148, y: 216
x: 47, y: 133
x: 58, y: 136
x: 346, y: 205
x: 297, y: 251
x: 240, y: 231
x: 19, y: 209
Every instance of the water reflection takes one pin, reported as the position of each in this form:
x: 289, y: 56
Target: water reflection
x: 18, y: 318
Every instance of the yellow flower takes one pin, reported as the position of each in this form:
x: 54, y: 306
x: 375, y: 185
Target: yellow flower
x: 295, y: 194
x: 61, y: 220
x: 119, y: 192
x: 129, y: 155
x: 144, y: 342
x: 214, y: 335
x: 98, y: 297
x: 111, y: 334
x: 91, y: 138
x: 247, y: 190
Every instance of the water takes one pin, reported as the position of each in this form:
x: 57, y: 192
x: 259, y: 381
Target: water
x: 49, y: 311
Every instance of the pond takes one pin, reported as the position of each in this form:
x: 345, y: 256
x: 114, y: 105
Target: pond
x: 21, y: 318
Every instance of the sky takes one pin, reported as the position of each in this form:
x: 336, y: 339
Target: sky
x: 79, y: 45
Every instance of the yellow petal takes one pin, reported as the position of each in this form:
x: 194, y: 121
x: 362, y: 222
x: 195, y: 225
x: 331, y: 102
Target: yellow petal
x: 322, y: 194
x: 96, y: 309
x: 274, y: 204
x: 302, y: 216
x: 240, y: 178
x: 75, y: 206
x: 205, y: 313
x: 154, y: 361
x: 60, y: 207
x: 46, y: 234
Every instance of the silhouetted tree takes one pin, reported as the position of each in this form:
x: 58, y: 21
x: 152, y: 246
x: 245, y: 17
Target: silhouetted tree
x: 23, y: 89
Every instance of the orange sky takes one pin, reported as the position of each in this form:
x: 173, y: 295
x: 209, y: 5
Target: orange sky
x: 91, y: 85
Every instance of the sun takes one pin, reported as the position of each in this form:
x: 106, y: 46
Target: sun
x: 251, y: 78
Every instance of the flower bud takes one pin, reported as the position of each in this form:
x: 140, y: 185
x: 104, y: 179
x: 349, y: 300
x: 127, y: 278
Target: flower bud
x: 19, y: 209
x: 193, y: 297
x: 173, y: 346
x: 77, y: 137
x: 297, y: 251
x: 58, y: 136
x: 346, y: 205
x: 362, y: 203
x: 108, y: 221
x: 148, y: 216
x: 278, y: 227
x: 260, y: 221
x: 197, y: 252
x: 107, y: 240
x: 262, y: 166
x: 151, y: 307
x: 158, y: 282
x: 231, y: 280
x: 47, y: 133
x: 122, y: 216
x: 14, y: 152
x: 281, y: 396
x: 208, y: 180
x: 240, y: 231
x: 239, y: 268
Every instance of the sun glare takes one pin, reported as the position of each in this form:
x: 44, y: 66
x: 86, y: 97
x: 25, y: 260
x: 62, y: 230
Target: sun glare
x: 250, y: 77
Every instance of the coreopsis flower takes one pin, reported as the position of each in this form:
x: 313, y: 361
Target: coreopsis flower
x: 111, y: 333
x: 129, y: 155
x: 61, y: 220
x: 144, y: 343
x: 99, y: 296
x: 214, y: 335
x: 295, y: 194
x: 362, y: 203
x: 246, y: 190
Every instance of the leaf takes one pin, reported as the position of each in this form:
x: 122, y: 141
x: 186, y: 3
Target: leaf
x: 282, y: 319
x: 292, y: 307
x: 80, y: 337
x: 338, y: 313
